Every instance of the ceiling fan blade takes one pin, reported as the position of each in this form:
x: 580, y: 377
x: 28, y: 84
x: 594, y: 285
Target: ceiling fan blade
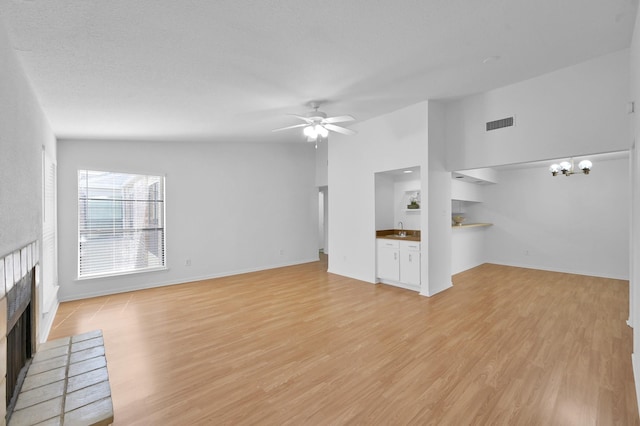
x: 290, y: 127
x: 307, y: 119
x: 339, y: 119
x: 339, y: 129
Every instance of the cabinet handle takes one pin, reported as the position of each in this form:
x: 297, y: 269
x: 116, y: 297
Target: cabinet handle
x: 409, y: 258
x: 395, y: 256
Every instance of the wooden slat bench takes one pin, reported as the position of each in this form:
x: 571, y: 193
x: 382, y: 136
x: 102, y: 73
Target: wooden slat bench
x: 67, y: 383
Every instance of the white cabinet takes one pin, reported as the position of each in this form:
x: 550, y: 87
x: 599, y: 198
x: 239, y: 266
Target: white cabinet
x: 410, y: 262
x: 398, y: 263
x: 388, y: 259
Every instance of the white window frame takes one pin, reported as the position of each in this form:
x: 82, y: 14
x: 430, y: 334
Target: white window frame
x: 125, y: 241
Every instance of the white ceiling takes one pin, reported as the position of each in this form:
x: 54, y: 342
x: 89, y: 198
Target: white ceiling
x: 233, y: 69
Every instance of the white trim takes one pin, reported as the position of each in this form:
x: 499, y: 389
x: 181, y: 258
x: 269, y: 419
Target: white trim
x: 399, y: 284
x: 52, y: 299
x: 118, y: 274
x: 46, y: 322
x: 447, y: 287
x: 353, y: 277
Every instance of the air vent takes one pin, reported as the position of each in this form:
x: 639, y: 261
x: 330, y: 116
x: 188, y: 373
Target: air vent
x: 499, y: 124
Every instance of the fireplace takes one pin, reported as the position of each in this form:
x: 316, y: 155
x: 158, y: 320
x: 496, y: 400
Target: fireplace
x: 20, y: 334
x: 19, y: 311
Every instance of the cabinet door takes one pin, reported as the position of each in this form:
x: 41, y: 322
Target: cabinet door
x: 389, y: 263
x: 409, y: 266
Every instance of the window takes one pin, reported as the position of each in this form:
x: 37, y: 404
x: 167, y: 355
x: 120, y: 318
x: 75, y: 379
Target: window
x: 120, y: 223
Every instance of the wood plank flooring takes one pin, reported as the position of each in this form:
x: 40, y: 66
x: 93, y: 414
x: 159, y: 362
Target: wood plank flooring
x: 297, y: 345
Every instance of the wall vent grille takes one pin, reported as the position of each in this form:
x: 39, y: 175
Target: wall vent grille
x: 499, y: 124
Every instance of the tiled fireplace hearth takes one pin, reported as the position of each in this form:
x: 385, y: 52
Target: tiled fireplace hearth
x: 18, y: 312
x: 64, y: 381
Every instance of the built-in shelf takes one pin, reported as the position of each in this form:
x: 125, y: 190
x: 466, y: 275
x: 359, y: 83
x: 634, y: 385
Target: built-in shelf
x: 409, y: 193
x: 472, y: 225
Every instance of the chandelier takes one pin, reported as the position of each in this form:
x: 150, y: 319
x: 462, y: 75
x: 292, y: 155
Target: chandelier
x: 567, y: 168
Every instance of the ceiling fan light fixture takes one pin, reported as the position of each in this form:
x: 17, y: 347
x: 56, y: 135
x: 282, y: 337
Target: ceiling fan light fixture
x: 318, y: 125
x: 310, y: 132
x: 321, y: 131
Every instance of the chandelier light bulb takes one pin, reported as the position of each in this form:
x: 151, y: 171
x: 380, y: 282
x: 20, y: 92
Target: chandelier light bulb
x: 565, y: 167
x: 585, y: 166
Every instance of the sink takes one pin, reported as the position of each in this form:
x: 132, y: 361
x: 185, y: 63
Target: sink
x: 403, y: 235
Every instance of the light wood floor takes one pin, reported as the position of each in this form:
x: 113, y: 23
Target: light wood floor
x: 300, y: 346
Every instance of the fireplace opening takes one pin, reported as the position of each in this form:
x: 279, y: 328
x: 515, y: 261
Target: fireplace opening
x: 20, y: 335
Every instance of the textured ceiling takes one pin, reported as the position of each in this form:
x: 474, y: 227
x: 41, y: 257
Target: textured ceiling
x: 233, y: 69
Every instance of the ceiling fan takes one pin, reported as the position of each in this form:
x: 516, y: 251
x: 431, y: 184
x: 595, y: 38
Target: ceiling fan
x: 317, y: 125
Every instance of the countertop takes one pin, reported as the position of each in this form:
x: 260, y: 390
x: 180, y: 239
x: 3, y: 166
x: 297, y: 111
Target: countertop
x: 392, y: 234
x: 471, y: 225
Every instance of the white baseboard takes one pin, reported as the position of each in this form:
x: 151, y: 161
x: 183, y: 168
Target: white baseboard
x: 562, y: 270
x: 399, y: 284
x: 353, y: 277
x: 51, y: 303
x: 46, y: 322
x: 427, y: 293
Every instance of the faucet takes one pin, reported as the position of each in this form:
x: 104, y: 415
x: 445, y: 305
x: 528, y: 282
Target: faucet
x: 402, y: 233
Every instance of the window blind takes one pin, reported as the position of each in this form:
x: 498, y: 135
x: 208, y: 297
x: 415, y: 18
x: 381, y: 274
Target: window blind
x: 121, y: 225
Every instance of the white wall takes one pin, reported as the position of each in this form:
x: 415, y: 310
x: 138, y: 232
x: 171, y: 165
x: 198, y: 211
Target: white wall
x: 484, y: 175
x: 438, y: 235
x: 390, y: 142
x: 635, y: 201
x: 575, y: 110
x: 24, y: 130
x: 24, y: 133
x: 322, y: 215
x: 322, y: 159
x: 577, y: 224
x: 392, y: 193
x: 231, y: 208
x: 384, y: 195
x: 466, y: 191
x: 467, y: 248
x: 402, y: 191
x: 322, y: 153
x: 468, y: 244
